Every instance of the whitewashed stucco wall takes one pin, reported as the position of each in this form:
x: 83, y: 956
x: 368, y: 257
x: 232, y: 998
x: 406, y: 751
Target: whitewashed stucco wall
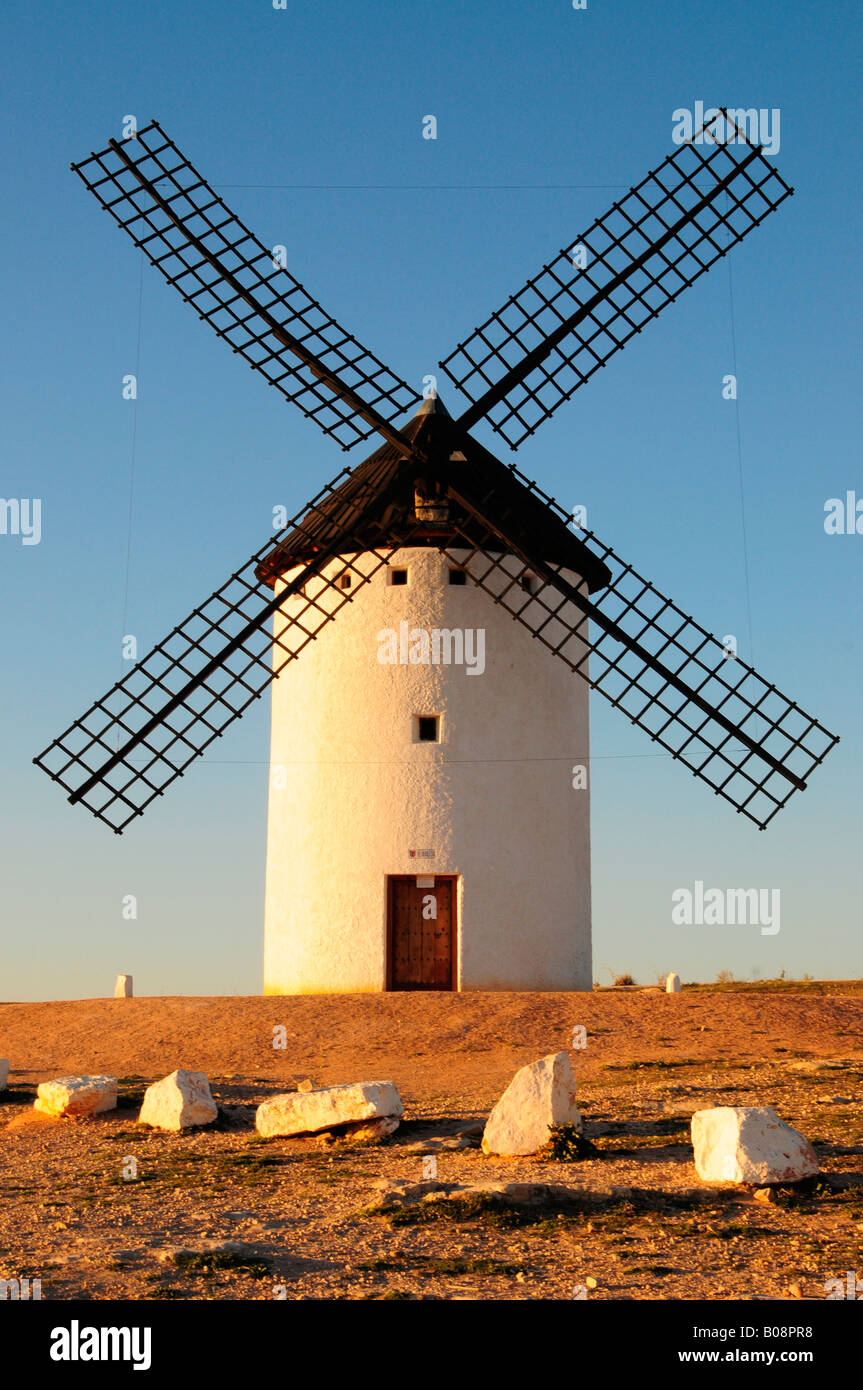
x: 351, y: 792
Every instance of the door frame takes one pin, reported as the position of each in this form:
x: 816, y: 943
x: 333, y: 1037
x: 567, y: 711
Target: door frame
x: 452, y: 879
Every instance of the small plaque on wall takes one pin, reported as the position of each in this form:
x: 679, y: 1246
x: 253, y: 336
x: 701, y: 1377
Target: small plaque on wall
x: 421, y: 854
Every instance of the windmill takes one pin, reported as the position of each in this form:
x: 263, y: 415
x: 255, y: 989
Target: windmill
x: 449, y: 851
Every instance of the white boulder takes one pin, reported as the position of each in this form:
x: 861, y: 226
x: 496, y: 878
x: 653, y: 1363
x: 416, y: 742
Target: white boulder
x: 307, y: 1112
x: 4, y: 1072
x: 76, y: 1095
x: 178, y: 1101
x: 672, y: 983
x: 539, y: 1095
x: 123, y: 987
x: 749, y: 1144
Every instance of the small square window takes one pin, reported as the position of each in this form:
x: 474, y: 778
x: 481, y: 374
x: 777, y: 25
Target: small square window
x: 344, y: 580
x: 428, y: 728
x: 457, y: 576
x: 398, y: 576
x: 529, y: 583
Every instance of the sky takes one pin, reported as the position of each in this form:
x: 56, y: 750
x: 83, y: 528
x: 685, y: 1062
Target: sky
x: 308, y: 120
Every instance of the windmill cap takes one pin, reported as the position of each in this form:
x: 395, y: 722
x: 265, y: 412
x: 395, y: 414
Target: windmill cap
x: 446, y: 452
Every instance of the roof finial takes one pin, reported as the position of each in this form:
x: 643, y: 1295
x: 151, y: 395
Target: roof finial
x: 431, y: 404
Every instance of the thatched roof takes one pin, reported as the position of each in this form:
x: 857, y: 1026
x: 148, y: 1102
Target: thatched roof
x: 386, y: 475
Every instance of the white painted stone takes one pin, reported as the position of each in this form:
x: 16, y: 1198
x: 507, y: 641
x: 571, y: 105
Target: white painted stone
x: 76, y: 1095
x: 749, y: 1144
x: 178, y: 1101
x: 539, y: 1095
x: 4, y: 1072
x: 307, y: 1112
x: 123, y: 987
x: 672, y: 983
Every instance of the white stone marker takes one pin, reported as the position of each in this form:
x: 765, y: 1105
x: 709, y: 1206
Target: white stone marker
x: 749, y: 1144
x: 179, y: 1101
x: 541, y: 1094
x: 76, y: 1095
x: 307, y: 1112
x: 123, y: 987
x: 672, y: 983
x: 4, y: 1072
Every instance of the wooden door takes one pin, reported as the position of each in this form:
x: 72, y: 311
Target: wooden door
x: 421, y: 932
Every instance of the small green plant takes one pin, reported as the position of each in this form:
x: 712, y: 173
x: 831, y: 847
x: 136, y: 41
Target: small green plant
x: 130, y: 1097
x: 204, y: 1262
x: 492, y: 1209
x: 621, y: 980
x: 470, y: 1265
x: 566, y: 1144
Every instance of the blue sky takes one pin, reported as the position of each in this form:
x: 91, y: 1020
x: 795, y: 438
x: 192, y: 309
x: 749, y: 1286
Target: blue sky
x: 309, y: 122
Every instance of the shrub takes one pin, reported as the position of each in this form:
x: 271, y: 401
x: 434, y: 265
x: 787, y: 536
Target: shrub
x: 567, y: 1145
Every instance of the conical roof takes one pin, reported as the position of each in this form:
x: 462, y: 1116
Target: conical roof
x: 451, y: 456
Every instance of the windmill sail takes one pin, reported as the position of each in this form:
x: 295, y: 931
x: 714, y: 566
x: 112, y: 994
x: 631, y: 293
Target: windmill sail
x: 231, y: 279
x: 143, y: 734
x: 665, y: 672
x: 431, y: 483
x: 534, y: 352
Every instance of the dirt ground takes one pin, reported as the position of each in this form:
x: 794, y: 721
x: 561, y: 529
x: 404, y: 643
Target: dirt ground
x: 300, y: 1218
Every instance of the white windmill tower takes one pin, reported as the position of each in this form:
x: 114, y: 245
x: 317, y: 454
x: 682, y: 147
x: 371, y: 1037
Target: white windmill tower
x: 424, y: 829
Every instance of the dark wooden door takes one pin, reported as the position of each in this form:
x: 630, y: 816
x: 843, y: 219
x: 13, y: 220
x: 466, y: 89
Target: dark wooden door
x: 421, y: 933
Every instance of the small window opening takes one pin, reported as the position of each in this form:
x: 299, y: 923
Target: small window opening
x: 398, y: 576
x: 457, y: 576
x: 344, y: 580
x: 529, y: 583
x: 428, y: 728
